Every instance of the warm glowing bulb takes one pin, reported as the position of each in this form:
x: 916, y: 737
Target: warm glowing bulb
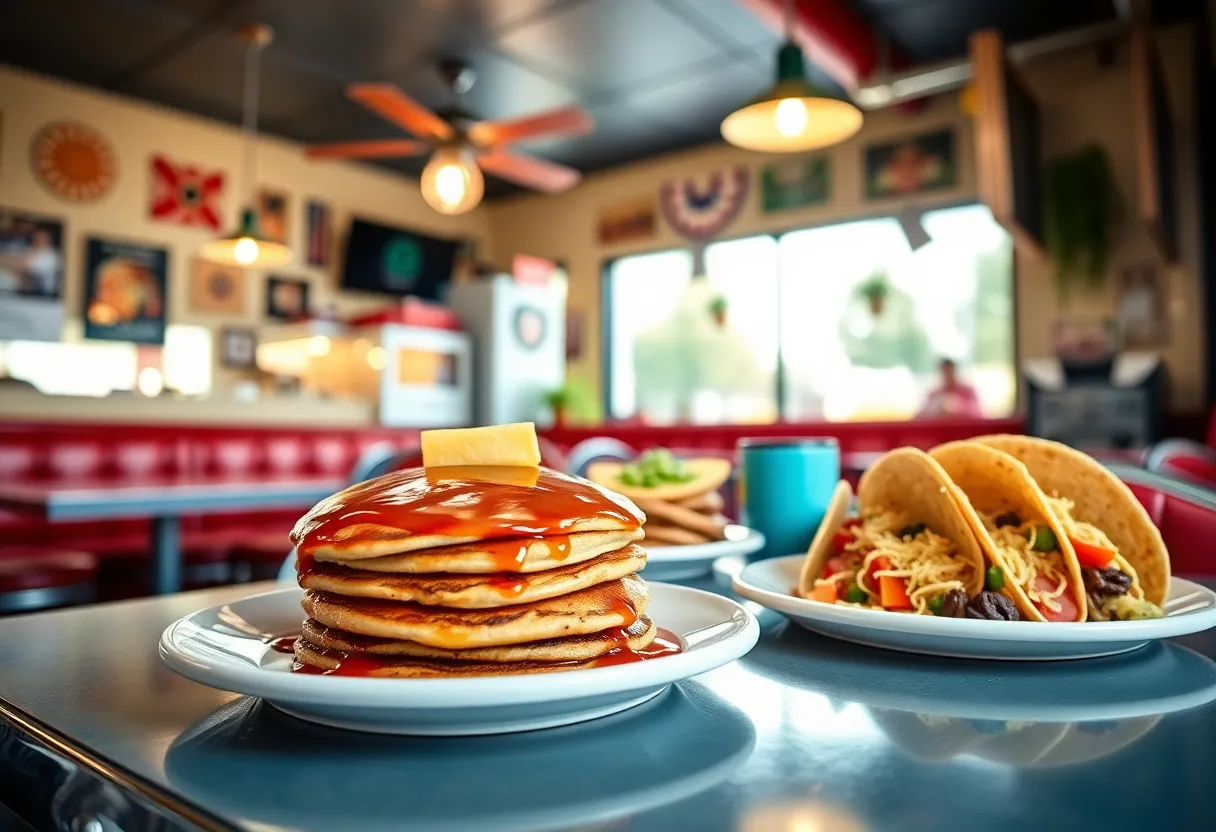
x: 375, y: 358
x: 790, y: 116
x: 246, y: 250
x: 451, y: 182
x: 318, y: 346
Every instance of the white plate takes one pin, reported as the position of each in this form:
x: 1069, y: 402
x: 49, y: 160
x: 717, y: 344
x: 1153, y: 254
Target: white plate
x: 1190, y: 608
x: 227, y: 648
x: 673, y: 563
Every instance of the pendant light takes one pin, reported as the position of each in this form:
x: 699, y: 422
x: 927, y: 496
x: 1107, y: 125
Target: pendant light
x: 794, y: 115
x: 246, y: 246
x: 451, y: 181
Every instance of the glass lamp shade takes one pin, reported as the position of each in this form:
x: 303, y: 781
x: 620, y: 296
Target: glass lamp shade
x: 451, y: 181
x: 794, y: 115
x: 246, y: 247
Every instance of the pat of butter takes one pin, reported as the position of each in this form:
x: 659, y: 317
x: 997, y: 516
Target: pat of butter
x: 493, y: 445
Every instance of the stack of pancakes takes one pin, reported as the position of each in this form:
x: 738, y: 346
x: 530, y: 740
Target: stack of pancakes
x: 696, y: 519
x: 684, y: 512
x: 426, y: 574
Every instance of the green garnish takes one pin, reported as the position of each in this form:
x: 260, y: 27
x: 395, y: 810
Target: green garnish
x: 1042, y: 539
x: 855, y: 594
x: 994, y: 579
x: 654, y: 468
x: 936, y: 602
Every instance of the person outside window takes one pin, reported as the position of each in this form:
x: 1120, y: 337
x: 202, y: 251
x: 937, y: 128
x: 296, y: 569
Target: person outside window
x: 951, y: 398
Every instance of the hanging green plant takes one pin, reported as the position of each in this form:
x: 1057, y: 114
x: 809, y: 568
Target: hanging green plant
x: 875, y: 289
x: 1080, y: 204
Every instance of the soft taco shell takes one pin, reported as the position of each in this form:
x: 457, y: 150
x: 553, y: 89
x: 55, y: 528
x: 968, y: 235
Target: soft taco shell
x: 821, y: 547
x: 708, y: 475
x: 1101, y: 499
x: 985, y: 479
x: 905, y: 480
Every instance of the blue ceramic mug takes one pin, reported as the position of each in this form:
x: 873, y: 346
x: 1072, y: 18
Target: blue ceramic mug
x: 784, y: 489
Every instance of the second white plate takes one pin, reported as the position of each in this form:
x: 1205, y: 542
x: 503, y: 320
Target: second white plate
x: 673, y: 563
x: 228, y: 648
x: 1190, y: 608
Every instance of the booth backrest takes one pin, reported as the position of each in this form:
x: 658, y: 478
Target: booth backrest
x: 1185, y: 460
x: 1186, y: 516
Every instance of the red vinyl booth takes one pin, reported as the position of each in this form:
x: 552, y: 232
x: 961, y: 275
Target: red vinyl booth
x: 1186, y: 516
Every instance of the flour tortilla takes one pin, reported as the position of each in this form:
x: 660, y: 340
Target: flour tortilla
x: 1101, y: 499
x: 708, y: 474
x: 905, y: 480
x: 990, y: 481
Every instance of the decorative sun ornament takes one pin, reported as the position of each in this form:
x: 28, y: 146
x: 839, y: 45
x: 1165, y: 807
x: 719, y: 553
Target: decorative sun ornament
x: 74, y: 161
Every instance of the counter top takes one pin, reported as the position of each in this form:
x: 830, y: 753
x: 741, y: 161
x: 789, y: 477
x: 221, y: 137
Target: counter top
x: 804, y: 733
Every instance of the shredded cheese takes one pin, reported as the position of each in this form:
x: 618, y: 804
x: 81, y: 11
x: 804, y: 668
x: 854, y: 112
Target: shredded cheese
x: 1025, y: 564
x: 927, y: 561
x: 1087, y: 533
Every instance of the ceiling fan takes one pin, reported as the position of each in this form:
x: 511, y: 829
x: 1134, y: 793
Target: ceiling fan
x: 461, y: 147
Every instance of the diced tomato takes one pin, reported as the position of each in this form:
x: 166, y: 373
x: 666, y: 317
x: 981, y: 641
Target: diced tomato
x: 879, y: 563
x: 840, y: 540
x: 840, y: 563
x: 825, y: 593
x: 893, y: 593
x: 1068, y: 607
x: 1091, y: 555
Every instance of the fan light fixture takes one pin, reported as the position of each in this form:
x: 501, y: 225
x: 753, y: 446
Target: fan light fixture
x: 451, y: 181
x: 794, y: 115
x: 246, y: 246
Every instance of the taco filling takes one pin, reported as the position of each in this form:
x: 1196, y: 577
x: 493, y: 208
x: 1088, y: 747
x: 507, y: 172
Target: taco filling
x: 887, y: 561
x: 1111, y: 584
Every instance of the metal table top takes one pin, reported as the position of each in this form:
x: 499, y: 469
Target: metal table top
x: 804, y: 733
x: 171, y: 497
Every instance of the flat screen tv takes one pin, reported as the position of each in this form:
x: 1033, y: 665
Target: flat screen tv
x: 395, y: 261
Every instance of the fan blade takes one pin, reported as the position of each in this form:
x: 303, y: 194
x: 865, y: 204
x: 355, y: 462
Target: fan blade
x: 383, y: 149
x: 537, y: 174
x: 388, y: 101
x: 564, y: 121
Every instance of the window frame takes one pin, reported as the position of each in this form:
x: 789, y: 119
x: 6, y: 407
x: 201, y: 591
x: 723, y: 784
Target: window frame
x: 606, y: 311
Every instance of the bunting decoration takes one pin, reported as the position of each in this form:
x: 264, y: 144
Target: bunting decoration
x: 699, y: 208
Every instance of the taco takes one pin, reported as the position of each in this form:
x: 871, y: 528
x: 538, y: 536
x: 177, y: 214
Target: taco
x: 1033, y: 565
x: 1124, y: 563
x: 909, y: 550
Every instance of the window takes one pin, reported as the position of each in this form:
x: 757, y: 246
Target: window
x: 846, y: 320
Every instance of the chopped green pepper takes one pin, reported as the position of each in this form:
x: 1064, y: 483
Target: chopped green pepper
x: 936, y: 602
x: 994, y: 579
x: 855, y: 594
x: 1042, y: 539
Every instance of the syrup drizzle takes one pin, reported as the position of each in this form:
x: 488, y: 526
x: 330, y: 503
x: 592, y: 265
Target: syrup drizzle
x: 458, y: 506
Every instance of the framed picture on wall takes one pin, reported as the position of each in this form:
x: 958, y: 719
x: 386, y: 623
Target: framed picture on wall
x: 238, y: 348
x: 320, y: 232
x: 217, y: 289
x: 909, y: 166
x: 1142, y: 310
x: 286, y: 298
x: 795, y: 183
x: 31, y: 276
x: 125, y: 291
x: 272, y: 214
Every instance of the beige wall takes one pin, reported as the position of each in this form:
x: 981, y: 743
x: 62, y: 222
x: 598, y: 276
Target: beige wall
x: 1081, y: 102
x: 137, y: 131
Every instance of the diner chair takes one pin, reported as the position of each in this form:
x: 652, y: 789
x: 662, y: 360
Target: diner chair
x: 130, y: 576
x: 596, y: 449
x: 1185, y: 514
x: 37, y: 578
x: 1185, y: 460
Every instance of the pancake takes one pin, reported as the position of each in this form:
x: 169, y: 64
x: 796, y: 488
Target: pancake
x: 672, y: 514
x: 664, y: 535
x: 501, y: 555
x: 612, y: 604
x: 407, y: 511
x: 485, y: 591
x: 412, y: 668
x: 571, y: 648
x: 710, y: 502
